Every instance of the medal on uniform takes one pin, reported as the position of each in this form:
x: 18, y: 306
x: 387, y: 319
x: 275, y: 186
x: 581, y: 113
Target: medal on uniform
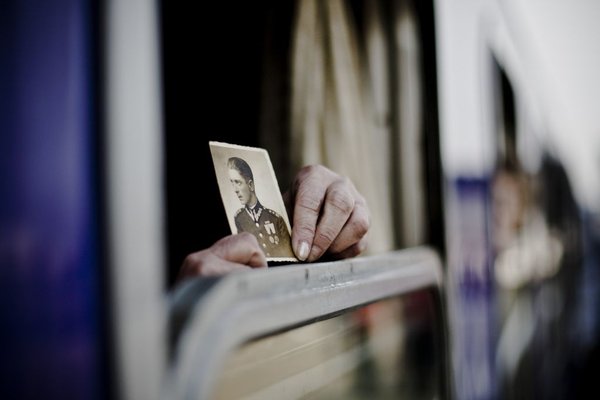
x: 270, y: 227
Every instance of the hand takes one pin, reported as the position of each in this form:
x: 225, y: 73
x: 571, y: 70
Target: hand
x: 329, y: 215
x: 232, y: 253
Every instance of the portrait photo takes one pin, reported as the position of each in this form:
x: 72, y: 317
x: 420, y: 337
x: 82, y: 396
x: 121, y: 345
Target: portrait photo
x: 252, y: 198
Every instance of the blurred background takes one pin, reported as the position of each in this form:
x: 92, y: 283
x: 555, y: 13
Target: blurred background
x: 470, y: 126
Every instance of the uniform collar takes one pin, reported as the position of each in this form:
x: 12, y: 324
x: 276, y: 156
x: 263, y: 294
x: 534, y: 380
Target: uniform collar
x: 256, y: 207
x: 255, y: 211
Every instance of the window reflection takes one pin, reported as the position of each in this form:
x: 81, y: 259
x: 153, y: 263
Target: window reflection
x: 383, y: 350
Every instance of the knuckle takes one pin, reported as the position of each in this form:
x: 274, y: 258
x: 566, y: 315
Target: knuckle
x: 221, y: 242
x: 341, y: 199
x: 309, y: 201
x: 195, y: 264
x: 304, y: 173
x: 304, y: 231
x: 345, y: 181
x: 360, y: 226
x: 193, y: 259
x: 310, y: 169
x: 189, y: 259
x: 324, y: 237
x: 248, y: 238
x: 259, y: 256
x: 256, y: 252
x: 314, y: 169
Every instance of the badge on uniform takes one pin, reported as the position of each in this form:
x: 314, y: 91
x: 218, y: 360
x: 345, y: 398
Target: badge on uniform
x: 274, y: 239
x: 270, y: 227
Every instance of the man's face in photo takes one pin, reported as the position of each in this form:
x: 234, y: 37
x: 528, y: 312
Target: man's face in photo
x: 244, y: 190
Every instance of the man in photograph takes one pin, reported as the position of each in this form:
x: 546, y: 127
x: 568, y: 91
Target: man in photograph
x: 266, y: 225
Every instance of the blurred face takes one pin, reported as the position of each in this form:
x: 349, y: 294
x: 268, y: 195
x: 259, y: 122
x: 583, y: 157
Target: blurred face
x: 508, y: 209
x: 243, y: 190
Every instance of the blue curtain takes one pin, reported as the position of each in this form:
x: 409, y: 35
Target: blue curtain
x: 50, y: 335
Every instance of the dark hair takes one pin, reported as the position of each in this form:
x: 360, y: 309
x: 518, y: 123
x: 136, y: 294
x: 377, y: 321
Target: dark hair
x: 242, y: 167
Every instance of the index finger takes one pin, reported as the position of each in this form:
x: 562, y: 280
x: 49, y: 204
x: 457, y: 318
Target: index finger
x: 309, y: 200
x: 337, y: 208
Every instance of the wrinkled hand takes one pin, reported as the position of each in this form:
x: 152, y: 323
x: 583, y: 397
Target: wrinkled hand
x: 232, y: 253
x: 329, y: 215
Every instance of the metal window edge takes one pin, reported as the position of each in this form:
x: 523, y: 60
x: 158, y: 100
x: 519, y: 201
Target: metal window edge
x: 243, y: 306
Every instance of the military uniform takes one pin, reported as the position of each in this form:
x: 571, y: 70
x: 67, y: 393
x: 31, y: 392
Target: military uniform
x: 268, y: 227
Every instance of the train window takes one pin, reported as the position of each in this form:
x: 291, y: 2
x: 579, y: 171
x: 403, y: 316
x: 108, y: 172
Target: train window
x: 357, y: 80
x: 347, y: 84
x: 388, y: 349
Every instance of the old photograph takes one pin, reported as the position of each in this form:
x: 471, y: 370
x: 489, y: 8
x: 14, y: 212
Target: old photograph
x: 252, y: 199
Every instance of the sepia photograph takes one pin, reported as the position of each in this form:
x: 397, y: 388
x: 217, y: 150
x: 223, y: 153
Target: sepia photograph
x: 252, y: 199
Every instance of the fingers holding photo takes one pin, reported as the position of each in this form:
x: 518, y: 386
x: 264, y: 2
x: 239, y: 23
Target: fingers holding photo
x: 330, y: 215
x: 232, y: 253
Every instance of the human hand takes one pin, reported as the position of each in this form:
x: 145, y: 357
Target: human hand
x: 232, y: 253
x: 329, y: 215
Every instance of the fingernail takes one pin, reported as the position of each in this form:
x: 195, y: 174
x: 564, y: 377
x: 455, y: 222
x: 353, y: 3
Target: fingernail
x: 303, y: 251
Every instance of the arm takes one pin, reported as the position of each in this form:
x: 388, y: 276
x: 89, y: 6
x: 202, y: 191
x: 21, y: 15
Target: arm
x: 329, y: 215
